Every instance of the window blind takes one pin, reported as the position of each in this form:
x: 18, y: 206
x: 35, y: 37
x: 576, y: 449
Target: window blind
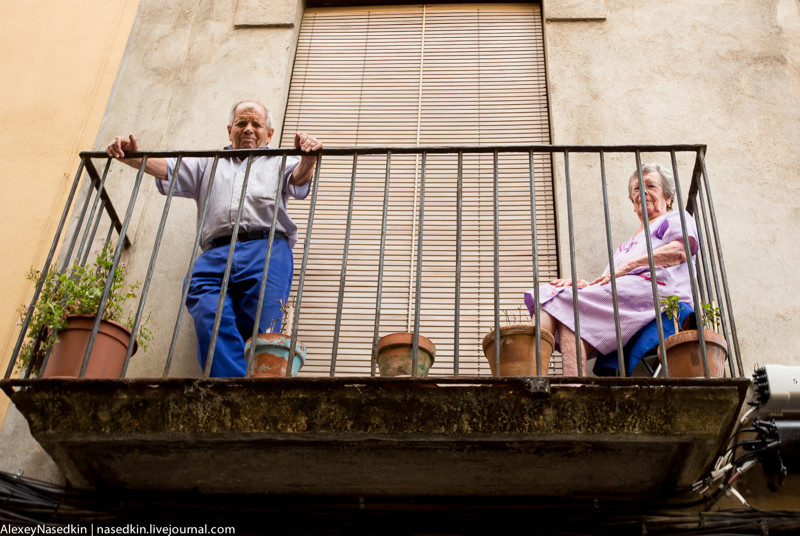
x: 423, y: 75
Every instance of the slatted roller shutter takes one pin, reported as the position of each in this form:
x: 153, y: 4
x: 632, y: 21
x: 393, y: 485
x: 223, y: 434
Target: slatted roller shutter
x: 426, y: 75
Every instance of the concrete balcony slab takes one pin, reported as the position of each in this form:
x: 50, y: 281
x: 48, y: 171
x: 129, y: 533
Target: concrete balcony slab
x: 615, y: 437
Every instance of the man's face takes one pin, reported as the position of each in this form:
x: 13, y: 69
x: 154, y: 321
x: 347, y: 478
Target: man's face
x: 249, y: 128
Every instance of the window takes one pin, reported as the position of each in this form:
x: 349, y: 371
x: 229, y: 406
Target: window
x: 425, y: 75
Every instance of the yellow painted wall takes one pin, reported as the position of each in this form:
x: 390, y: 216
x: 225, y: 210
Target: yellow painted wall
x: 58, y: 59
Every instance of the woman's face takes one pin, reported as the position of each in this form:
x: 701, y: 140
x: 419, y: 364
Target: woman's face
x: 654, y: 196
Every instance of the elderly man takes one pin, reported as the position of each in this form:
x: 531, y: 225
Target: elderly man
x: 250, y: 127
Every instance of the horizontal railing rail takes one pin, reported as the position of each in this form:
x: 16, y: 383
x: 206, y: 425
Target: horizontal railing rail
x: 459, y: 178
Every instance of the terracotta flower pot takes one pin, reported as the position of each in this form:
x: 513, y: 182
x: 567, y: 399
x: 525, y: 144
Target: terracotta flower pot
x: 108, y: 352
x: 685, y: 359
x: 518, y: 350
x: 271, y: 356
x: 396, y: 355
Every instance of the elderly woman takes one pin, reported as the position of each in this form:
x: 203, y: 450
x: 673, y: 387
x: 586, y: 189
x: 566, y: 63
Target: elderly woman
x: 632, y: 272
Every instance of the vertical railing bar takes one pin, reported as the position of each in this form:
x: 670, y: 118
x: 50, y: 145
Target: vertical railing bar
x: 700, y: 266
x: 304, y: 263
x: 90, y: 169
x: 496, y: 256
x: 702, y: 225
x: 114, y: 263
x: 63, y: 269
x: 223, y: 291
x: 110, y: 232
x: 265, y: 273
x: 97, y: 216
x: 573, y: 267
x: 623, y: 367
x: 651, y: 261
x: 150, y: 269
x: 711, y: 275
x: 188, y: 279
x: 418, y: 289
x: 112, y: 212
x: 693, y: 280
x: 459, y: 231
x: 535, y: 246
x: 713, y: 284
x: 67, y: 254
x: 381, y: 260
x: 84, y: 244
x: 53, y: 246
x: 722, y: 268
x: 343, y: 275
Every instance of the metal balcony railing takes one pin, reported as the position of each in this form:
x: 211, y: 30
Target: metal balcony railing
x: 440, y: 175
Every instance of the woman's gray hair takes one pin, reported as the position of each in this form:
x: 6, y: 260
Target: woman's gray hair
x: 267, y: 112
x: 667, y: 180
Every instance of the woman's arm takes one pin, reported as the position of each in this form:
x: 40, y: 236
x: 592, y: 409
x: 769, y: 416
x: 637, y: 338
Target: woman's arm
x: 580, y: 283
x: 669, y: 254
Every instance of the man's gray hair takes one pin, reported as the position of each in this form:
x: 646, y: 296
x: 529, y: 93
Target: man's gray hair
x: 667, y: 180
x: 267, y: 112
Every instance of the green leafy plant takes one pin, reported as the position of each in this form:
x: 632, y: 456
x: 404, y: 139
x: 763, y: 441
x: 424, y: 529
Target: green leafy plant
x: 77, y: 292
x: 671, y: 306
x: 712, y: 317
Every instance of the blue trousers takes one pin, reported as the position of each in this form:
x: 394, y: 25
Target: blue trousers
x: 241, y: 300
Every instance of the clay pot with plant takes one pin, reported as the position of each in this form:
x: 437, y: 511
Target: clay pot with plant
x: 518, y: 347
x: 64, y: 314
x: 395, y: 355
x: 271, y: 353
x: 683, y: 351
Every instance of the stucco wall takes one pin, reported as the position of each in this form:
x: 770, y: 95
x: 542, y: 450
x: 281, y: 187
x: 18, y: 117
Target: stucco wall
x: 59, y: 59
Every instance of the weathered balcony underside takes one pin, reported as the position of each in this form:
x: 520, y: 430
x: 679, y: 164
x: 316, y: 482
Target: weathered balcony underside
x: 383, y: 437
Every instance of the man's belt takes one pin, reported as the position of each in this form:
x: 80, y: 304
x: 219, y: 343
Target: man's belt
x: 244, y: 236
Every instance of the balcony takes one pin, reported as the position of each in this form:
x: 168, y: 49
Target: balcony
x: 448, y: 257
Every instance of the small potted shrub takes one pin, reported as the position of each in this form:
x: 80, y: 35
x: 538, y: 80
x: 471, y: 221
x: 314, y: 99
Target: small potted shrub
x: 271, y: 353
x: 64, y: 315
x: 518, y: 347
x: 683, y: 348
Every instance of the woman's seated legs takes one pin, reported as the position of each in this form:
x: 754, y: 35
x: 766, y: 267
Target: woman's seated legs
x: 566, y: 341
x: 548, y: 322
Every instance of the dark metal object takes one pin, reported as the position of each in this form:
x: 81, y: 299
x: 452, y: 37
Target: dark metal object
x: 340, y: 303
x: 262, y: 290
x: 652, y: 265
x: 304, y: 264
x: 573, y: 269
x: 114, y: 263
x: 150, y: 268
x: 190, y: 271
x: 459, y: 223
x: 418, y: 290
x: 729, y: 316
x: 109, y: 206
x: 611, y: 269
x: 710, y: 274
x: 228, y: 265
x: 379, y: 291
x: 496, y: 243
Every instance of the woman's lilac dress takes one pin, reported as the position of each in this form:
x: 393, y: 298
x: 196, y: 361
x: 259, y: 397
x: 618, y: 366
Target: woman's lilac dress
x: 634, y: 289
